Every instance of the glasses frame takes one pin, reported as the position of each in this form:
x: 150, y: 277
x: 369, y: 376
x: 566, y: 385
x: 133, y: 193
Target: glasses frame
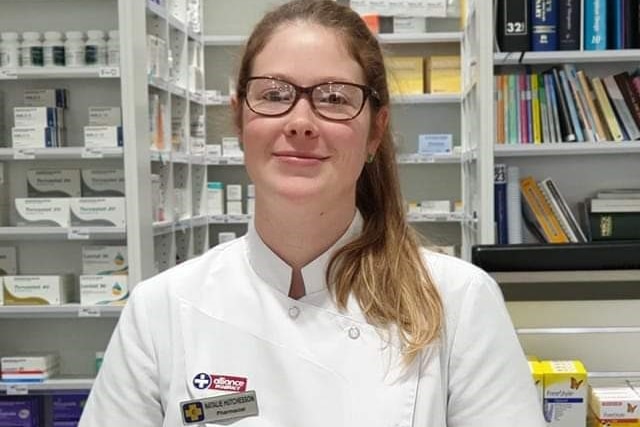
x: 367, y: 92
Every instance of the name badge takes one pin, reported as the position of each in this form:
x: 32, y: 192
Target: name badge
x: 219, y: 408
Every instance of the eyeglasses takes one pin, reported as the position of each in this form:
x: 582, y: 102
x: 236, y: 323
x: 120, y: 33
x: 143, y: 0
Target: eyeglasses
x: 339, y: 101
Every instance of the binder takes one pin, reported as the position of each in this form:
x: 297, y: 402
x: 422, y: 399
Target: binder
x: 513, y: 25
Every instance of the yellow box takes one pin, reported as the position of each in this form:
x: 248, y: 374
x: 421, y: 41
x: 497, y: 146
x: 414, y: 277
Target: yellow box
x: 442, y: 74
x: 538, y: 377
x: 565, y: 393
x: 405, y: 75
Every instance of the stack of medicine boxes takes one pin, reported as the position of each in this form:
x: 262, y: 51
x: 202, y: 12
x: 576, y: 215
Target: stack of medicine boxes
x: 40, y: 122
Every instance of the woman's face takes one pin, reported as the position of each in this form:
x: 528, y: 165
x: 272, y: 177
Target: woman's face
x: 301, y: 156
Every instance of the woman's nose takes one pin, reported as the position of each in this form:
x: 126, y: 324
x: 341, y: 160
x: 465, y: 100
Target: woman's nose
x: 301, y: 120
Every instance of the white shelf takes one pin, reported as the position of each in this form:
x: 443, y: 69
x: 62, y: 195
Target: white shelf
x: 422, y: 38
x: 166, y: 86
x: 229, y: 219
x: 62, y: 233
x: 427, y: 98
x: 444, y: 217
x: 419, y: 159
x: 224, y: 161
x: 161, y: 12
x: 60, y: 153
x: 582, y: 276
x: 580, y: 330
x: 78, y: 383
x: 29, y: 73
x: 58, y: 311
x: 566, y: 149
x: 567, y: 56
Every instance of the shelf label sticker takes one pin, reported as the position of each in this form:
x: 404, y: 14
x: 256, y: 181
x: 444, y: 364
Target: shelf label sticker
x: 17, y: 389
x: 75, y: 233
x: 218, y: 219
x: 8, y: 74
x: 109, y: 72
x: 24, y: 153
x: 92, y: 153
x: 89, y: 312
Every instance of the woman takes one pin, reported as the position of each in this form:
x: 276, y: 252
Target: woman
x: 327, y: 313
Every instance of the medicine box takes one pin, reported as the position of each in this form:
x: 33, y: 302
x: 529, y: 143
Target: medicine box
x: 405, y: 75
x: 97, y: 212
x: 20, y: 411
x: 234, y: 192
x: 36, y: 137
x: 53, y: 183
x: 103, y: 290
x: 103, y: 136
x: 46, y: 98
x: 615, y: 403
x: 442, y: 74
x: 435, y: 206
x: 8, y: 261
x: 231, y: 147
x: 51, y: 117
x: 104, y: 260
x: 537, y: 376
x: 102, y: 182
x: 105, y: 116
x: 215, y: 198
x: 435, y: 143
x: 565, y: 393
x: 42, y: 212
x: 234, y: 207
x: 67, y: 407
x: 27, y: 363
x: 38, y: 290
x: 409, y: 24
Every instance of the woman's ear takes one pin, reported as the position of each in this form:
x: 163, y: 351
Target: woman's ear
x: 379, y: 125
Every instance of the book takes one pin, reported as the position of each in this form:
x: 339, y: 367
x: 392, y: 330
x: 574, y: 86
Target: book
x: 621, y: 108
x: 514, y: 203
x: 552, y: 108
x: 571, y: 256
x: 569, y: 21
x: 586, y: 121
x: 601, y: 133
x: 629, y: 94
x: 542, y: 211
x: 513, y: 23
x: 569, y: 222
x: 619, y: 193
x: 606, y: 109
x: 614, y: 225
x: 614, y: 205
x: 500, y: 202
x: 544, y: 19
x: 595, y: 25
x: 564, y: 119
x: 571, y: 106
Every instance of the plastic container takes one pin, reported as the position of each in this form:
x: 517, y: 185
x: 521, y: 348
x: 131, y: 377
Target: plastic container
x: 95, y: 49
x: 74, y: 49
x: 9, y: 50
x: 113, y: 49
x: 53, y: 48
x: 31, y: 51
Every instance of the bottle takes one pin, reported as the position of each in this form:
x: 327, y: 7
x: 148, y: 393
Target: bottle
x: 74, y: 49
x: 53, y: 47
x: 9, y: 50
x: 31, y: 52
x: 113, y: 49
x: 95, y: 49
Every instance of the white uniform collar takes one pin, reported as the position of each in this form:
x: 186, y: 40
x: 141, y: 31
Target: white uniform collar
x: 274, y: 271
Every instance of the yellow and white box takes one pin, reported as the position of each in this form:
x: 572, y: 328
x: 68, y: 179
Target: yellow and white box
x: 565, y: 393
x: 442, y: 74
x: 102, y: 136
x: 103, y: 290
x: 8, y: 261
x: 102, y: 182
x: 42, y: 212
x: 38, y: 290
x: 405, y: 75
x: 615, y: 403
x: 538, y: 378
x: 53, y: 183
x: 97, y: 212
x: 104, y: 260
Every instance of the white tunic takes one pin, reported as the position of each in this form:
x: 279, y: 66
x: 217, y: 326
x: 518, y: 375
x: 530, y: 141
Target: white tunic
x: 227, y: 314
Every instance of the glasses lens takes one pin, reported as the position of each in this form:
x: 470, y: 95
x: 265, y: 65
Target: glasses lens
x: 270, y: 97
x: 338, y: 101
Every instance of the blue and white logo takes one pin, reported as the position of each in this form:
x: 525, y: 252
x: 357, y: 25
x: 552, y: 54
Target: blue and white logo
x: 202, y: 381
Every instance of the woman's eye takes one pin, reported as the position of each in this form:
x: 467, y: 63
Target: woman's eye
x: 276, y: 96
x: 334, y: 98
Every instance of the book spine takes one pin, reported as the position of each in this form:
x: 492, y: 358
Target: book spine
x: 514, y: 216
x: 566, y: 125
x: 513, y: 26
x: 595, y: 25
x: 544, y: 215
x: 522, y: 90
x: 544, y: 112
x: 527, y: 83
x: 499, y: 109
x: 586, y: 120
x: 514, y: 102
x: 544, y: 20
x: 571, y: 106
x: 615, y: 26
x: 600, y: 133
x: 621, y: 108
x: 606, y: 109
x: 500, y: 203
x: 614, y: 226
x: 569, y: 12
x: 630, y: 96
x: 552, y: 108
x: 566, y: 211
x: 614, y: 205
x: 555, y: 207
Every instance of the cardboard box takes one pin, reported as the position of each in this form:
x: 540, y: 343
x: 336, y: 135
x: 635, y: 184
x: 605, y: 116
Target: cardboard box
x: 97, y: 212
x: 102, y: 182
x: 36, y: 137
x: 103, y: 290
x: 105, y: 116
x: 104, y: 260
x: 38, y: 290
x: 565, y: 393
x: 103, y: 136
x: 442, y: 74
x: 67, y: 407
x: 615, y: 403
x: 8, y: 261
x: 20, y: 411
x: 537, y: 375
x: 405, y: 75
x: 29, y: 363
x: 51, y: 117
x: 53, y: 183
x: 42, y: 212
x: 46, y: 98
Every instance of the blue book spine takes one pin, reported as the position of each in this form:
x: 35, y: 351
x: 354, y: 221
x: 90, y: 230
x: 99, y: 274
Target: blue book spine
x: 595, y: 25
x: 615, y: 26
x: 544, y: 25
x: 500, y: 203
x: 569, y: 16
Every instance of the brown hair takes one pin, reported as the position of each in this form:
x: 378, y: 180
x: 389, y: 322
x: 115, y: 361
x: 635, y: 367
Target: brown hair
x: 383, y: 268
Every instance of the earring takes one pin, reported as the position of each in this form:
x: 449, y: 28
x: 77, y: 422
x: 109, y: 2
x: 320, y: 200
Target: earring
x: 370, y: 157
